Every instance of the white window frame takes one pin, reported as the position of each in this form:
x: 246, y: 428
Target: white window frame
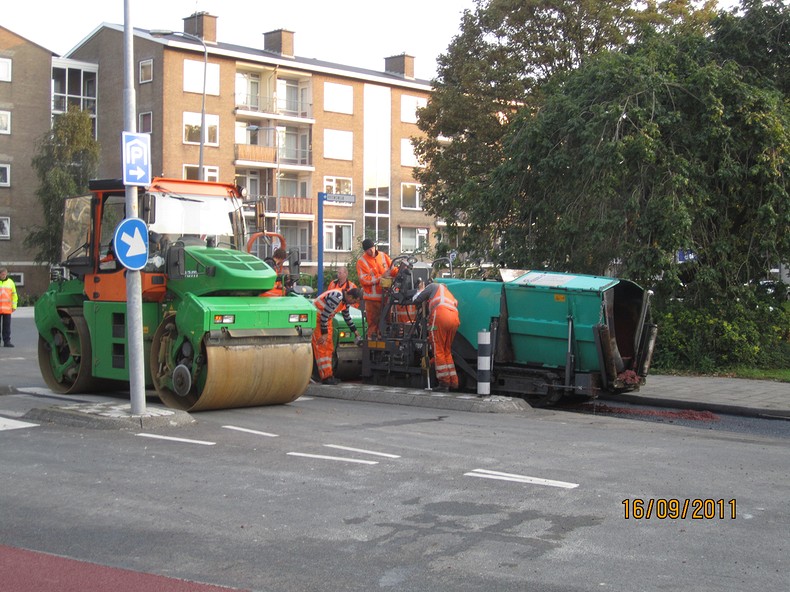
x: 331, y: 186
x: 5, y: 122
x: 140, y: 126
x: 6, y: 66
x: 338, y: 98
x: 338, y: 144
x: 193, y: 77
x: 146, y: 65
x: 418, y: 232
x: 5, y: 182
x: 418, y: 189
x: 330, y: 228
x: 407, y: 155
x: 18, y: 277
x: 193, y: 119
x: 408, y: 107
x: 5, y: 228
x: 210, y: 173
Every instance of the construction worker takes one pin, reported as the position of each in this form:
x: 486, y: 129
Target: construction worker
x: 443, y: 323
x: 329, y: 304
x: 372, y: 266
x: 8, y: 302
x: 341, y: 282
x: 276, y: 263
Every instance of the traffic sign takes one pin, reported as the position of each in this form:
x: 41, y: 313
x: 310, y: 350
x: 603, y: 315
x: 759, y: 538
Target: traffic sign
x: 136, y: 149
x: 340, y: 197
x: 131, y: 243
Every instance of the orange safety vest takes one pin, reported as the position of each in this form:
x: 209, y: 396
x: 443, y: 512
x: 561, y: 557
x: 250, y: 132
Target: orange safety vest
x: 442, y: 298
x: 8, y: 296
x: 370, y: 269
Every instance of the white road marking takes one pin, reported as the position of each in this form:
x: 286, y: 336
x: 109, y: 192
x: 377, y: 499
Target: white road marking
x: 362, y: 451
x: 203, y: 442
x: 13, y: 424
x: 323, y: 457
x: 256, y: 432
x: 486, y: 474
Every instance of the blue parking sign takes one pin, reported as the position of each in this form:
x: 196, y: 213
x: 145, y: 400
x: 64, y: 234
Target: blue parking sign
x: 131, y: 243
x: 136, y: 150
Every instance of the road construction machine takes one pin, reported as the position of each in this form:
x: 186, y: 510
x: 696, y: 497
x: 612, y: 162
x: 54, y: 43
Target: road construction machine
x: 211, y: 339
x: 546, y: 335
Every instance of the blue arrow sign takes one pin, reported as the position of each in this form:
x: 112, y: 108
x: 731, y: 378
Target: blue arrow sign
x: 131, y: 243
x: 136, y: 150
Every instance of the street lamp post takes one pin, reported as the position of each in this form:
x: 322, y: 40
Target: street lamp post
x: 164, y: 33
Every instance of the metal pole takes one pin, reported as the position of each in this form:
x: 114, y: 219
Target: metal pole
x: 134, y: 292
x: 320, y: 279
x: 277, y: 176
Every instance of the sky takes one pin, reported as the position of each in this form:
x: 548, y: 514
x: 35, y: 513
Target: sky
x: 358, y: 33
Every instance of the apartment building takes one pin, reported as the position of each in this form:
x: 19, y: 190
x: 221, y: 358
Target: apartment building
x: 284, y: 127
x: 25, y: 106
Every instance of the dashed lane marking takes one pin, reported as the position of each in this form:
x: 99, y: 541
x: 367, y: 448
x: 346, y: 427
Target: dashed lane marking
x: 362, y: 451
x: 13, y: 424
x: 256, y: 432
x: 338, y: 458
x: 172, y: 439
x: 486, y: 474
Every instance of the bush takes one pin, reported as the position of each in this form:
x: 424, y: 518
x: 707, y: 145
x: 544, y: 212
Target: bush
x: 747, y: 331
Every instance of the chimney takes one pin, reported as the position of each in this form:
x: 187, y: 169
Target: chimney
x: 203, y: 25
x: 280, y: 41
x: 400, y: 65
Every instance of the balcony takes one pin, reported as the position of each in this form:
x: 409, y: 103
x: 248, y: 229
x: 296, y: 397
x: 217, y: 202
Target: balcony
x: 253, y: 153
x: 288, y: 205
x: 296, y: 157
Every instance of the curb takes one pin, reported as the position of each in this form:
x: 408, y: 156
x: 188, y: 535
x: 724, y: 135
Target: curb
x: 109, y: 416
x: 420, y: 398
x: 720, y: 408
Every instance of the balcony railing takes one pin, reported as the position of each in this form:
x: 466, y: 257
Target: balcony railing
x: 268, y: 154
x: 263, y: 104
x: 288, y: 205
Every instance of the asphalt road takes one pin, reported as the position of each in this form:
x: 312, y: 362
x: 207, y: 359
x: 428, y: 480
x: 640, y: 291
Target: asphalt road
x: 327, y: 494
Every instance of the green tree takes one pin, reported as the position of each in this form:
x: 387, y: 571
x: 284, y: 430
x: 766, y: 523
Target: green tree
x: 638, y: 154
x: 67, y: 158
x: 494, y: 68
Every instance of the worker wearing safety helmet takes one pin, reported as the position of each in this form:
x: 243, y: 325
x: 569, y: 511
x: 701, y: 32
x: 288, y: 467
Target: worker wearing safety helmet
x: 372, y: 266
x: 443, y: 323
x: 329, y: 304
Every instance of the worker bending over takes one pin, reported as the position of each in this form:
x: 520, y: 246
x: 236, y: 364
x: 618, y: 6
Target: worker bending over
x: 329, y: 304
x: 372, y: 266
x: 443, y: 323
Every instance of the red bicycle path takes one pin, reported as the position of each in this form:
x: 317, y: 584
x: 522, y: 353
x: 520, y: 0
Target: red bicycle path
x: 31, y: 571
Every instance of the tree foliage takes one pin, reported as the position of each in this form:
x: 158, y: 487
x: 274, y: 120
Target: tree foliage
x: 495, y: 68
x: 67, y: 158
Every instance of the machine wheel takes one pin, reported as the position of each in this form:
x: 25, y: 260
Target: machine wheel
x: 172, y: 380
x: 66, y: 362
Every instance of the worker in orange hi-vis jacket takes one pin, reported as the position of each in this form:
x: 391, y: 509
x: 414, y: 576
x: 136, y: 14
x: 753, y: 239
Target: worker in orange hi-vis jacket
x: 341, y: 282
x: 329, y: 304
x: 372, y: 266
x: 276, y: 263
x: 443, y: 323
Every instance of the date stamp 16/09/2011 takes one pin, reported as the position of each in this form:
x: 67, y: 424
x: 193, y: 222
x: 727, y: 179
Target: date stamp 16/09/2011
x: 678, y: 509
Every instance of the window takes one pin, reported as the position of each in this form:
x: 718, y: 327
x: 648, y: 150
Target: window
x: 410, y: 197
x: 147, y: 71
x: 338, y: 185
x: 5, y: 228
x: 5, y: 122
x: 193, y: 77
x: 338, y: 236
x: 5, y: 175
x: 145, y: 122
x: 250, y: 179
x: 409, y: 106
x: 192, y: 129
x: 338, y: 98
x: 338, y: 144
x: 407, y: 156
x: 18, y: 277
x: 248, y: 90
x: 210, y: 173
x: 413, y: 239
x: 74, y: 87
x: 5, y: 70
